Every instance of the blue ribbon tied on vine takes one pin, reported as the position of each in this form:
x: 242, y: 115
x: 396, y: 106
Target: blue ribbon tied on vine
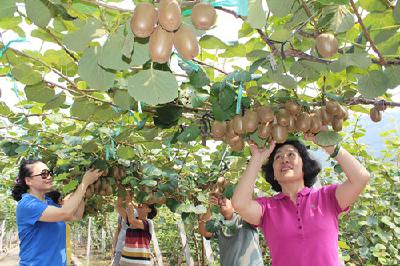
x: 242, y: 6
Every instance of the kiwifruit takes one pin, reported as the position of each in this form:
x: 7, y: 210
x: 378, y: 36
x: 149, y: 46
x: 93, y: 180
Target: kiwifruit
x: 105, y: 172
x: 292, y: 107
x: 108, y: 190
x: 265, y: 114
x: 343, y: 112
x: 116, y: 173
x: 316, y: 124
x: 250, y: 121
x: 237, y: 123
x: 221, y: 183
x: 230, y: 133
x: 160, y: 45
x: 186, y: 43
x: 203, y: 16
x: 169, y: 15
x: 97, y: 186
x: 279, y: 133
x: 375, y: 114
x: 326, y: 118
x: 332, y: 108
x: 264, y: 130
x: 292, y: 123
x: 337, y: 123
x: 103, y: 193
x: 218, y: 129
x: 303, y: 122
x: 326, y: 44
x: 143, y: 20
x: 381, y: 105
x: 282, y: 117
x: 237, y: 144
x: 104, y: 184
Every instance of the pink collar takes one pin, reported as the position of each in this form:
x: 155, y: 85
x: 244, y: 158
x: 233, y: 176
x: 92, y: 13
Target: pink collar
x: 304, y: 192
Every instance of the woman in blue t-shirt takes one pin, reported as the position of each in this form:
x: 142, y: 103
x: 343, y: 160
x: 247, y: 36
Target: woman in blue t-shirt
x: 41, y: 227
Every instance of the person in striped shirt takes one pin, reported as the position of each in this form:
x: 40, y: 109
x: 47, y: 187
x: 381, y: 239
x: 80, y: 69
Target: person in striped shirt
x: 136, y: 250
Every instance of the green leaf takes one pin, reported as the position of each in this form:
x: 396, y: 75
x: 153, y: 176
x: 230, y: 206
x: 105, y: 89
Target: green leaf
x: 153, y: 86
x: 281, y: 34
x: 125, y: 152
x: 39, y: 12
x: 149, y: 182
x: 172, y: 204
x: 71, y: 186
x: 360, y: 60
x: 229, y: 190
x: 72, y: 140
x: 39, y: 93
x: 373, y: 84
x: 7, y: 8
x: 123, y: 99
x: 129, y: 42
x: 343, y: 245
x: 328, y: 138
x: 212, y: 42
x: 4, y: 109
x: 213, y: 225
x: 140, y: 52
x: 167, y: 116
x: 111, y: 56
x: 56, y: 102
x: 197, y: 99
x: 392, y: 72
x: 189, y: 134
x: 87, y: 31
x: 257, y: 16
x: 25, y: 74
x: 342, y: 20
x: 226, y: 97
x: 280, y: 9
x: 373, y: 5
x: 199, y: 78
x: 396, y: 12
x: 261, y: 143
x: 83, y: 109
x: 90, y: 147
x: 95, y: 76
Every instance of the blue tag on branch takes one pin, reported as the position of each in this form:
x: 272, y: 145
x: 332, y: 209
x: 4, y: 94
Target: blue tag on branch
x: 239, y: 99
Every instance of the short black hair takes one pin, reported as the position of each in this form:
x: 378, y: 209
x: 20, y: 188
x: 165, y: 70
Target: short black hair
x: 153, y: 211
x: 311, y: 167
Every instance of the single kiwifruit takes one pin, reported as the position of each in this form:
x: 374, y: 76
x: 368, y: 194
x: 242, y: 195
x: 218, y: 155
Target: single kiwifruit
x: 105, y: 172
x: 337, y: 123
x: 169, y: 15
x: 160, y: 45
x: 265, y: 114
x: 203, y: 16
x: 97, y: 186
x: 316, y: 124
x: 292, y: 107
x: 230, y: 133
x: 279, y: 133
x: 116, y: 173
x: 292, y: 123
x: 326, y: 44
x: 282, y: 117
x: 221, y: 183
x: 343, y: 112
x: 250, y: 121
x: 103, y: 193
x: 186, y: 43
x: 218, y: 129
x: 264, y: 130
x: 326, y: 118
x: 109, y: 190
x: 237, y: 144
x: 237, y: 123
x: 332, y: 108
x: 143, y: 20
x: 303, y: 122
x: 375, y: 115
x: 104, y: 184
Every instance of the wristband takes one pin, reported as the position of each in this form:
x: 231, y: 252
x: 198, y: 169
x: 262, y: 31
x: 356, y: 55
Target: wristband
x: 335, y: 151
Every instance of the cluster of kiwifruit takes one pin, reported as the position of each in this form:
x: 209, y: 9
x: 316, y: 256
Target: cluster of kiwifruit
x: 326, y: 45
x: 219, y: 187
x: 276, y: 122
x: 165, y: 28
x: 101, y: 187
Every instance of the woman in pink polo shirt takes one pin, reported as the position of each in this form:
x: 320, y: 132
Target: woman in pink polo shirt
x: 300, y: 223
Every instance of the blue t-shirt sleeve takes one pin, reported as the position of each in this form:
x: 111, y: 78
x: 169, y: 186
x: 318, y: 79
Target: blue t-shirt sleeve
x: 31, y: 209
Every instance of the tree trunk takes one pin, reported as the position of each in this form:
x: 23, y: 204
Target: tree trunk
x: 89, y: 242
x: 185, y: 244
x: 103, y: 241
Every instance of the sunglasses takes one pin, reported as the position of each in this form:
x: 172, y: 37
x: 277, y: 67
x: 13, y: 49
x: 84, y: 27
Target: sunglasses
x: 45, y: 174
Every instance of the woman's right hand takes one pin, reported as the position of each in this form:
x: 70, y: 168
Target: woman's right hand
x: 91, y: 176
x: 261, y: 154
